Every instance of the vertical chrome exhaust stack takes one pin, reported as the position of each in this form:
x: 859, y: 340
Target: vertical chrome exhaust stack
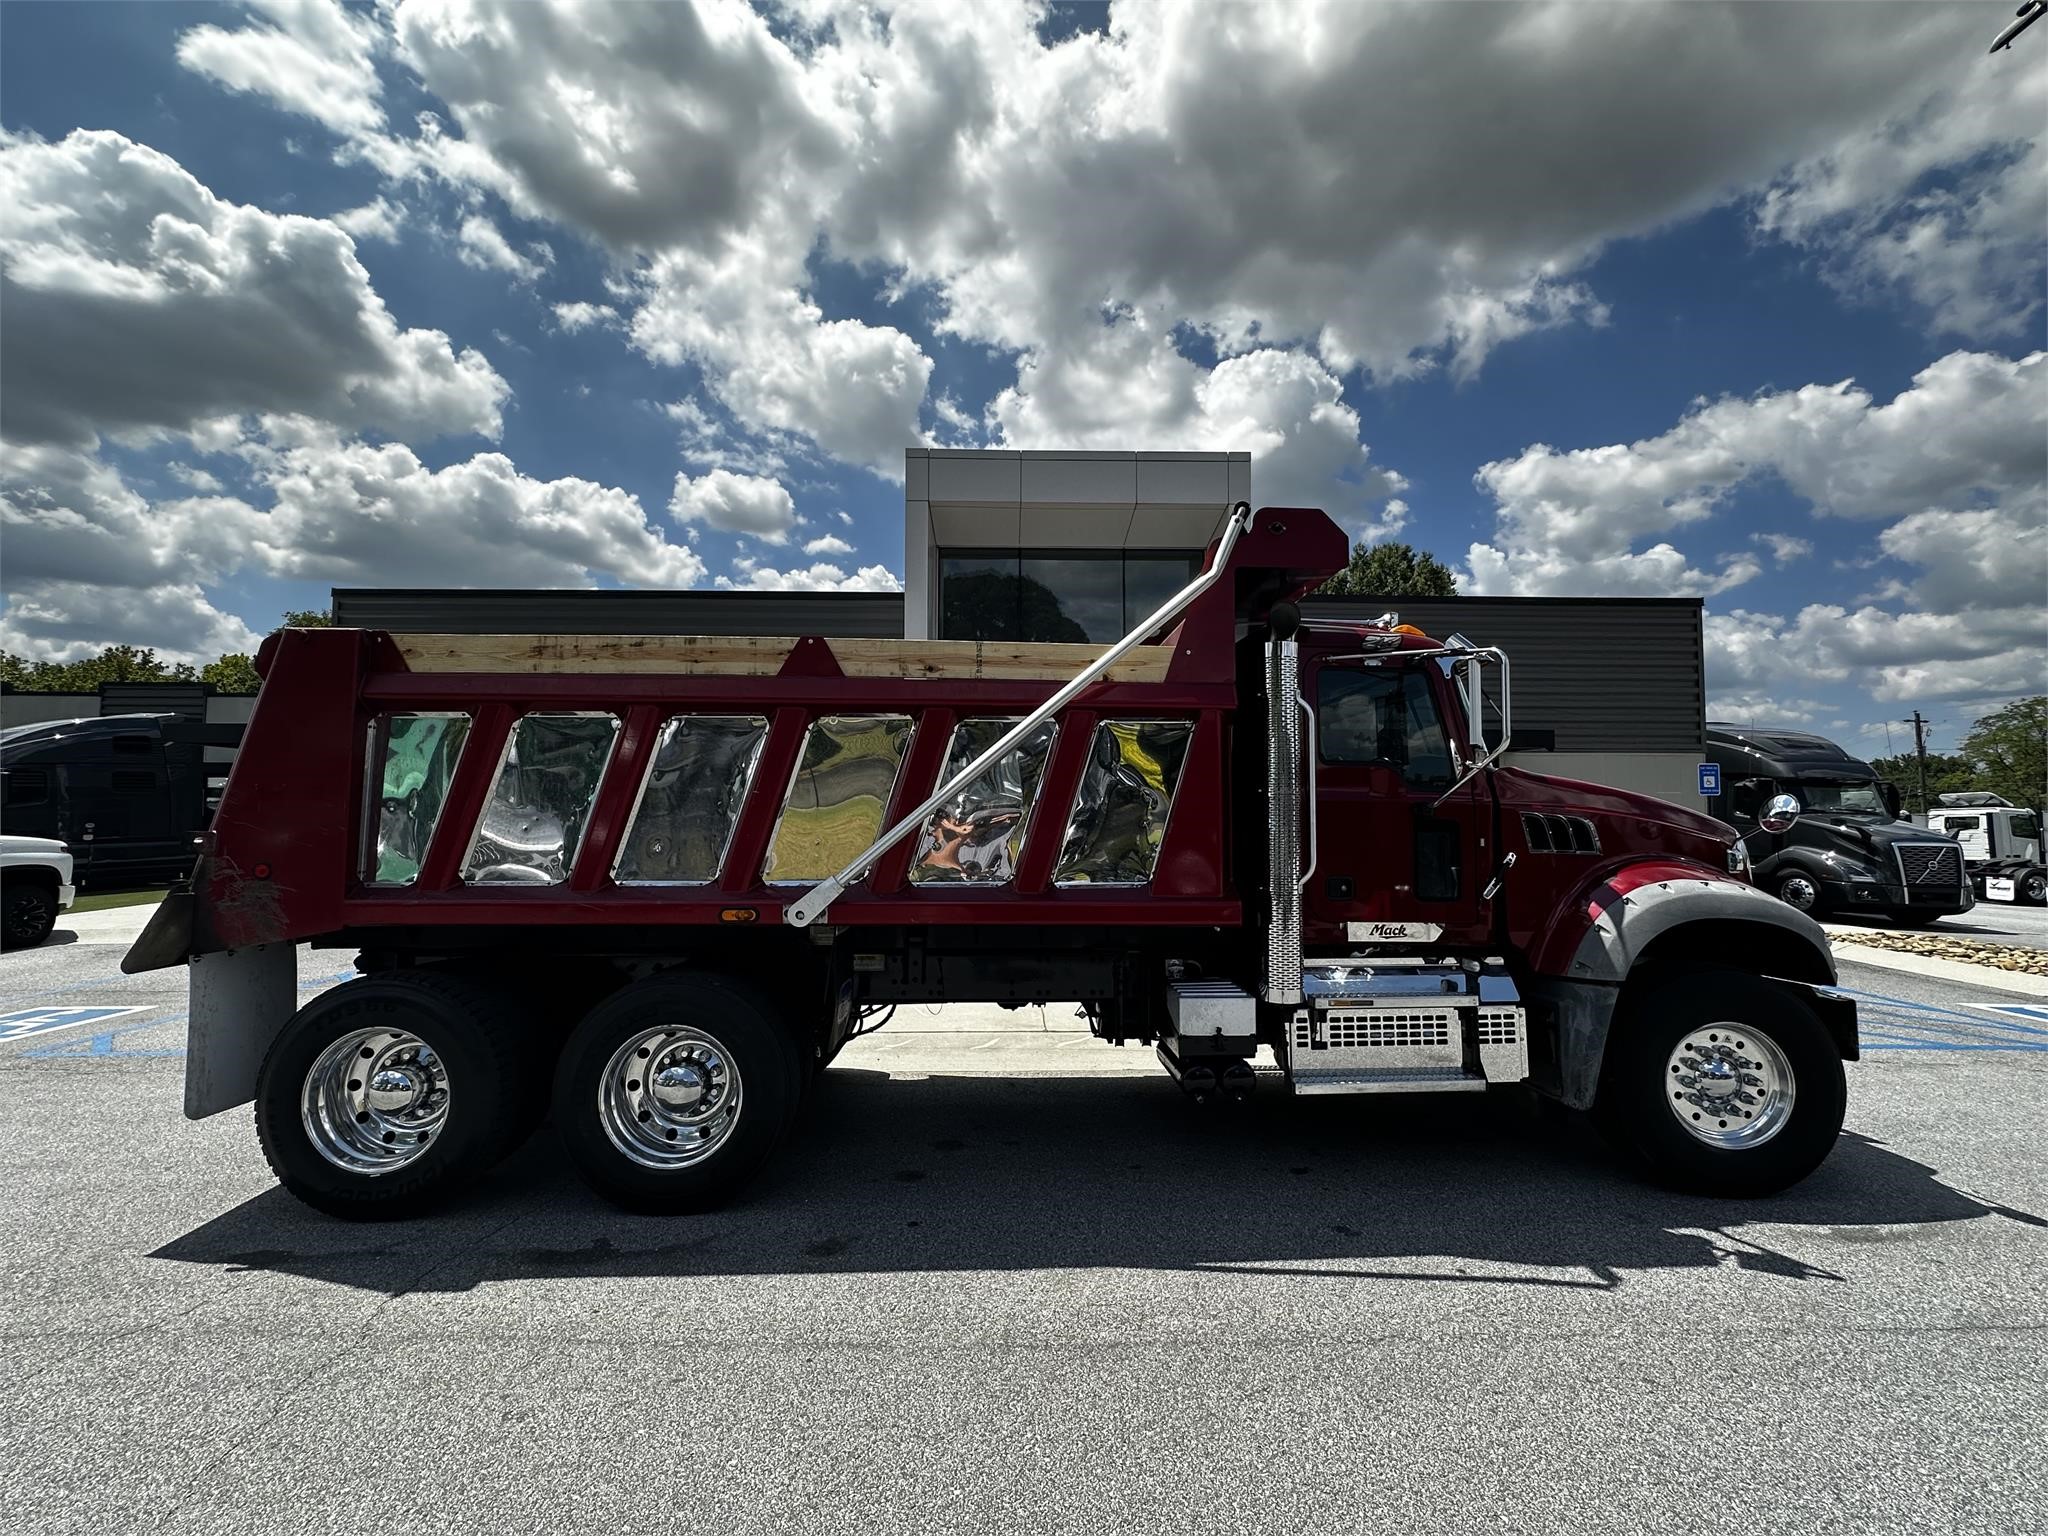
x: 1283, y: 805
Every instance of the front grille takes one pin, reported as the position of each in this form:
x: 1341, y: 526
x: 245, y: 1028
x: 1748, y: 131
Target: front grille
x: 1559, y: 834
x: 1930, y: 863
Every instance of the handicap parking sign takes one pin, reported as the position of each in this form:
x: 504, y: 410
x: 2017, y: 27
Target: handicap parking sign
x: 1710, y: 779
x: 24, y: 1022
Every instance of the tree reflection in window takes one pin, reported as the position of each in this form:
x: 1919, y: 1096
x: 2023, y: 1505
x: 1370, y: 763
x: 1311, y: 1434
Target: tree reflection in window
x: 1121, y: 808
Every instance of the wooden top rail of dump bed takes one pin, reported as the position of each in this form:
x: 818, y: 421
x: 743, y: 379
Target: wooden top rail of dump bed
x: 765, y: 656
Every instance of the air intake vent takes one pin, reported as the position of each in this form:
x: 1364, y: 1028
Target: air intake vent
x: 1559, y: 834
x: 1930, y: 863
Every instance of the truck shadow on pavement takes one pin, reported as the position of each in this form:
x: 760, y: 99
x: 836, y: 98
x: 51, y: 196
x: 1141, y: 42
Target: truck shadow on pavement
x: 966, y: 1173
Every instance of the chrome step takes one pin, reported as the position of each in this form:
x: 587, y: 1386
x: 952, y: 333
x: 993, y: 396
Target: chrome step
x: 1313, y: 1080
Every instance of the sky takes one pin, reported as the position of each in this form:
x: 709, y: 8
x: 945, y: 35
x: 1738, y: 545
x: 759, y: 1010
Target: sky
x: 1741, y: 302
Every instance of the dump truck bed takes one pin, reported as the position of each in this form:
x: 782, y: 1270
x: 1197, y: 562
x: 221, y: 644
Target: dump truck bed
x: 399, y: 780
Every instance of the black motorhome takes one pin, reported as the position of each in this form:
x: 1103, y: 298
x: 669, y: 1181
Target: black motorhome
x: 1845, y: 849
x: 127, y: 793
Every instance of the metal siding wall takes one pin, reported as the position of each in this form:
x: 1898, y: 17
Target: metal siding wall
x: 185, y: 700
x: 862, y: 615
x: 1607, y: 675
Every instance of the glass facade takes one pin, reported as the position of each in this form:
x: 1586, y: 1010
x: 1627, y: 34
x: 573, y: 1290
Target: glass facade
x: 1091, y: 596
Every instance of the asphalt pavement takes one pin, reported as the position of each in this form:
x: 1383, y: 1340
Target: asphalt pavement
x: 1007, y: 1279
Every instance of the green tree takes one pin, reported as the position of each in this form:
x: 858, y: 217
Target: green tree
x: 2008, y: 748
x: 1946, y: 772
x: 114, y: 664
x: 308, y: 618
x: 1391, y: 570
x: 234, y: 673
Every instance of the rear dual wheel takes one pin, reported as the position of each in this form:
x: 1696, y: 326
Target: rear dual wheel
x: 673, y: 1091
x: 389, y: 1094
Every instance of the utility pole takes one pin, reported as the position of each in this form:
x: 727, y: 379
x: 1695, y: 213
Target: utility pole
x: 1920, y: 751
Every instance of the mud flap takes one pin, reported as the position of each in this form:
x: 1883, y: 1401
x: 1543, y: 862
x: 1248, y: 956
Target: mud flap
x: 240, y: 999
x: 1836, y: 1012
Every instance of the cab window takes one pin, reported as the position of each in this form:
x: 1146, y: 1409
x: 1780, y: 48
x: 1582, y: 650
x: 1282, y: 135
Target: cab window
x: 2026, y: 828
x: 1383, y: 717
x: 1747, y: 797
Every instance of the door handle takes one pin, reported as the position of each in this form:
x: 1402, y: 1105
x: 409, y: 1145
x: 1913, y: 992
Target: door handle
x: 1493, y: 886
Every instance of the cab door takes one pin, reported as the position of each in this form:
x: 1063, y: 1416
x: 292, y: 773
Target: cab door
x: 1390, y: 847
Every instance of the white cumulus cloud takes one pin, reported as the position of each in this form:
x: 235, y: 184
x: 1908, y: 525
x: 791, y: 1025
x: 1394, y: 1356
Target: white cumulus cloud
x: 753, y: 505
x: 133, y: 298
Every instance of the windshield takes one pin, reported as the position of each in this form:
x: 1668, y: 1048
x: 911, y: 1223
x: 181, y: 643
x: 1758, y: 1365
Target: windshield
x: 1841, y: 799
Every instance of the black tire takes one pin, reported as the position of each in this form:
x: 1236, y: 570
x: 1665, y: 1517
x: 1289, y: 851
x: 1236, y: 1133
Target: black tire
x: 1792, y: 888
x: 480, y: 1049
x: 1636, y: 1093
x: 2032, y: 888
x: 28, y: 911
x: 738, y: 1029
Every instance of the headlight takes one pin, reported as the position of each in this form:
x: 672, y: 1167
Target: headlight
x: 1738, y: 860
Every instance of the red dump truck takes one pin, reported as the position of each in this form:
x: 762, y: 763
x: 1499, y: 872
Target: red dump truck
x: 654, y: 884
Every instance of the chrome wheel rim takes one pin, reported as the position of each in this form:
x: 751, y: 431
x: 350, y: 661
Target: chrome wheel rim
x: 2035, y: 889
x: 1798, y: 891
x: 1730, y: 1086
x: 669, y: 1098
x: 375, y: 1100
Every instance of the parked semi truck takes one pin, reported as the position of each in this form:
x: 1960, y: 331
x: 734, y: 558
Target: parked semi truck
x: 1823, y: 829
x: 657, y: 883
x: 2001, y: 844
x: 126, y: 793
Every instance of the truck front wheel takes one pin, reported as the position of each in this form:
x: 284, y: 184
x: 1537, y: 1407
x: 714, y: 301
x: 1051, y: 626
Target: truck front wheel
x: 1724, y: 1084
x: 1799, y: 889
x: 388, y: 1094
x: 674, y: 1090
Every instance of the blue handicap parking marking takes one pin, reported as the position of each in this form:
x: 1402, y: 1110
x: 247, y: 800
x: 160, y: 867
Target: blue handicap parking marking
x: 1894, y: 1024
x: 2037, y: 1012
x: 107, y: 1043
x: 1710, y: 779
x: 24, y: 1022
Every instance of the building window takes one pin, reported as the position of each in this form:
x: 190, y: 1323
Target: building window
x: 1092, y: 596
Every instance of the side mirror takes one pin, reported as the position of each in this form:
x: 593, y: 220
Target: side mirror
x: 1892, y: 804
x: 1779, y: 815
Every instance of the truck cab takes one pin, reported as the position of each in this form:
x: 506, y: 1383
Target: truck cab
x: 126, y: 793
x: 658, y: 882
x: 2001, y: 844
x: 1846, y: 850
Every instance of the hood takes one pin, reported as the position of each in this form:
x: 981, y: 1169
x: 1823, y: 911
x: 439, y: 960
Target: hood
x: 10, y: 843
x: 1850, y: 833
x: 1626, y: 823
